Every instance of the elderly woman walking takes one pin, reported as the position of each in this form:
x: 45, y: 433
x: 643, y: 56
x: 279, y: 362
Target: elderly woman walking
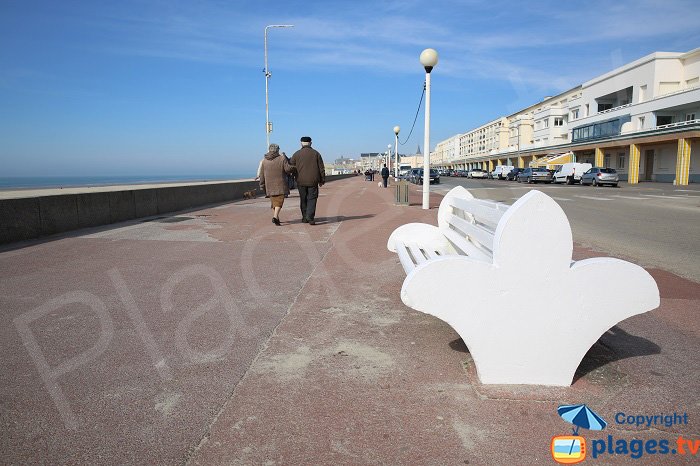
x: 273, y: 179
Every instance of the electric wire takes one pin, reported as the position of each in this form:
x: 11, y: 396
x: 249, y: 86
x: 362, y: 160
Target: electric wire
x: 416, y: 118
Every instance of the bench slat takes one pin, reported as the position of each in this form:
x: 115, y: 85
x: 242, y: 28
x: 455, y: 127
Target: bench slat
x: 480, y: 234
x: 483, y: 211
x: 432, y: 254
x: 404, y: 258
x: 418, y: 256
x: 466, y: 246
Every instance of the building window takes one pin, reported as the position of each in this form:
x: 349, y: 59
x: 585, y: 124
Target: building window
x: 640, y: 123
x: 620, y: 160
x: 664, y: 120
x: 607, y: 160
x: 643, y: 93
x: 546, y: 123
x: 559, y: 121
x: 690, y: 117
x: 604, y: 107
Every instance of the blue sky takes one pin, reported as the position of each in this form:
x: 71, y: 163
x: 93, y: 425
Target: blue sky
x: 176, y: 87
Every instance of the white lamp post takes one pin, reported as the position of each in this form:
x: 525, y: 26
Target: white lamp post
x: 268, y: 127
x: 388, y: 157
x: 428, y: 58
x: 396, y: 151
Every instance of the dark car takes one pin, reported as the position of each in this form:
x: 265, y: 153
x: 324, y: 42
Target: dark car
x: 535, y: 174
x: 434, y: 176
x: 513, y: 174
x: 598, y: 176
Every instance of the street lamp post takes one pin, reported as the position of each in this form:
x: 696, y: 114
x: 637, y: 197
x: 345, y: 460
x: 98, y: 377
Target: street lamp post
x: 396, y: 151
x: 517, y: 130
x: 428, y: 58
x: 268, y: 127
x: 388, y: 157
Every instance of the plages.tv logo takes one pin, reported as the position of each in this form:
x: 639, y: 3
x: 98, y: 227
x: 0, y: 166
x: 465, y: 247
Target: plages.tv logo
x: 571, y: 449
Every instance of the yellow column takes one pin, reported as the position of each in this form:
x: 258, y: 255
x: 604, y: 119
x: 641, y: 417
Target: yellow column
x: 499, y: 162
x: 521, y: 162
x: 599, y: 161
x: 683, y: 162
x: 633, y: 171
x: 490, y: 165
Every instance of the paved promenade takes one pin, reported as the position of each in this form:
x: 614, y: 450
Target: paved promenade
x: 215, y: 337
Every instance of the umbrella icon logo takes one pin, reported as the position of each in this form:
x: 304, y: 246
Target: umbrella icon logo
x: 571, y: 449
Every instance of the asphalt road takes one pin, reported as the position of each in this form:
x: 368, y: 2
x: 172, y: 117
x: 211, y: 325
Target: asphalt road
x: 652, y: 224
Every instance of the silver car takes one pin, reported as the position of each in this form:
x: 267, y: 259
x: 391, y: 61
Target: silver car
x: 534, y: 175
x: 598, y: 176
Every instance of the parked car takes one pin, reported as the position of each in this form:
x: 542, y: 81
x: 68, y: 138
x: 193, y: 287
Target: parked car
x: 501, y: 171
x: 434, y: 176
x: 460, y: 173
x: 414, y: 174
x: 598, y: 176
x: 513, y: 174
x: 571, y: 172
x: 477, y: 173
x: 534, y: 175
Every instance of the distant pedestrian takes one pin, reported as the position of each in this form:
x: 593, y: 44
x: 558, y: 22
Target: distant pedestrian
x: 311, y: 174
x: 273, y: 179
x: 385, y: 175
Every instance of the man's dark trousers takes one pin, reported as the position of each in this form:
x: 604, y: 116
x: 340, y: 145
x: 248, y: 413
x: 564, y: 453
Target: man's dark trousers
x: 385, y: 179
x: 307, y: 201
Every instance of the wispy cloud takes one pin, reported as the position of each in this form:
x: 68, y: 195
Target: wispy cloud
x: 387, y: 36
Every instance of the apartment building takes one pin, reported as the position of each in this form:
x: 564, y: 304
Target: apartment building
x: 458, y: 151
x: 446, y: 152
x: 641, y: 119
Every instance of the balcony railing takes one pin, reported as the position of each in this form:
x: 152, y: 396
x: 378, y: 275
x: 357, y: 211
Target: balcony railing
x: 614, y: 108
x: 679, y: 123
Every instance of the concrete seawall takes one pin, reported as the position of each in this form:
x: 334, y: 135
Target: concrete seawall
x: 23, y: 218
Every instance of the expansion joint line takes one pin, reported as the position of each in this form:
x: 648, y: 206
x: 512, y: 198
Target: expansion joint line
x: 191, y: 453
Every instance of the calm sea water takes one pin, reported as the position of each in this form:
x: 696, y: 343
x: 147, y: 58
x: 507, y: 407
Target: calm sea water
x: 77, y: 181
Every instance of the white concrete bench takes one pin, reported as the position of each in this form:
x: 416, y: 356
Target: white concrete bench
x: 491, y: 271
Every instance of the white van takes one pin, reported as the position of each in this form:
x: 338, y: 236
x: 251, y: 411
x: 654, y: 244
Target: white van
x: 571, y: 172
x: 501, y: 171
x: 404, y: 170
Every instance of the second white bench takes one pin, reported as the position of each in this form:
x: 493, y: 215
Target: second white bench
x: 489, y: 269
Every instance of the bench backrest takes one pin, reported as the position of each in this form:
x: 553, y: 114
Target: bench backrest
x: 470, y: 223
x: 496, y: 232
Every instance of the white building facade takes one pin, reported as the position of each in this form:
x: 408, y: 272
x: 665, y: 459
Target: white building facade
x: 642, y: 119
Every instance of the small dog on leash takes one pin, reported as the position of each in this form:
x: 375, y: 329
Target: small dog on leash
x: 249, y: 194
x: 379, y: 184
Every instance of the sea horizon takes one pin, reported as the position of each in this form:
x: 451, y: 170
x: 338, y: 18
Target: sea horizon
x: 37, y: 182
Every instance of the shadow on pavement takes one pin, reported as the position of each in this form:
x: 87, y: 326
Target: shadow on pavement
x: 336, y: 219
x: 614, y: 345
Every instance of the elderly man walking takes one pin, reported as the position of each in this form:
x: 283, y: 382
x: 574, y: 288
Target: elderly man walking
x: 310, y: 175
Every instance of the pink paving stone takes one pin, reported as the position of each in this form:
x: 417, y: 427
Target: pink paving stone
x: 234, y: 341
